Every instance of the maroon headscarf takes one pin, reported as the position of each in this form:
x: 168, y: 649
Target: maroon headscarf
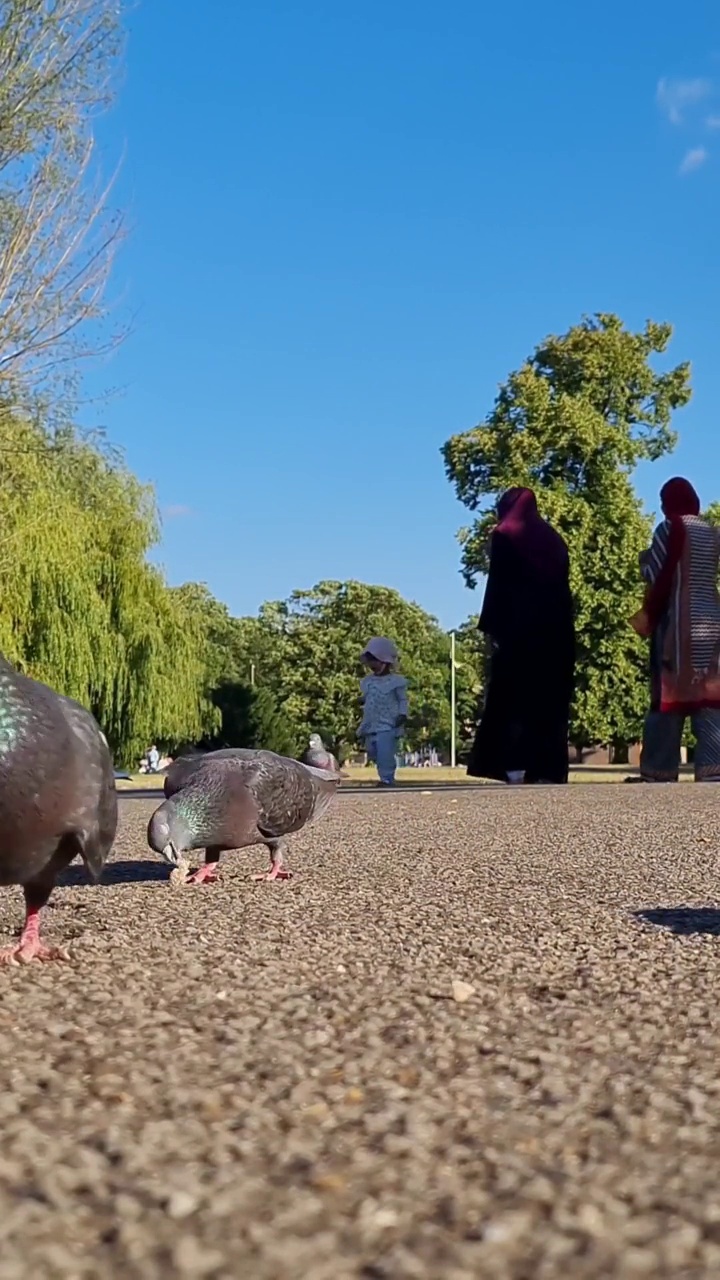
x: 521, y: 523
x: 678, y: 499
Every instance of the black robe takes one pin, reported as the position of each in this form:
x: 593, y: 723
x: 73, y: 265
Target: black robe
x: 528, y: 615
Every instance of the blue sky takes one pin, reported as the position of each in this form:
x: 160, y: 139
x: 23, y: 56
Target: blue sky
x: 350, y: 222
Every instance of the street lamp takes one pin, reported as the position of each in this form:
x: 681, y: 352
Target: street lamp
x: 453, y: 735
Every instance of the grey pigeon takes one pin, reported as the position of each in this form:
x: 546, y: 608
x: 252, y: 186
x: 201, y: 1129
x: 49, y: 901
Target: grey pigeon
x: 235, y: 798
x: 57, y: 798
x: 318, y: 756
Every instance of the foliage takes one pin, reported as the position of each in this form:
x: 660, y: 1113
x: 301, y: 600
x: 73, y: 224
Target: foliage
x: 572, y: 423
x: 470, y: 679
x: 270, y: 726
x: 251, y: 717
x: 80, y: 607
x: 315, y: 639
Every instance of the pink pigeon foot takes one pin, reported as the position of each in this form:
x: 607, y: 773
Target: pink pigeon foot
x: 275, y: 873
x: 29, y: 946
x: 206, y: 874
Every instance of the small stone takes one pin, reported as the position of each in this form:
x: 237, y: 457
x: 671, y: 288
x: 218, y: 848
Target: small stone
x: 408, y: 1077
x: 315, y: 1111
x: 192, y: 1259
x: 461, y: 991
x: 181, y: 1204
x: 328, y: 1182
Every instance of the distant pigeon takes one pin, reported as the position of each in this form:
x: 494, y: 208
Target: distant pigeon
x: 318, y: 756
x: 234, y: 798
x: 57, y: 798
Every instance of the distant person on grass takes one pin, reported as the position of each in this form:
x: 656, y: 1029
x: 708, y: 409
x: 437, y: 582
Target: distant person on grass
x: 528, y: 615
x: 385, y: 707
x: 681, y: 615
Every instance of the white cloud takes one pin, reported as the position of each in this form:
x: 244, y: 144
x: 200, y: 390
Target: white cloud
x: 176, y: 511
x: 674, y: 96
x: 713, y: 122
x: 693, y: 159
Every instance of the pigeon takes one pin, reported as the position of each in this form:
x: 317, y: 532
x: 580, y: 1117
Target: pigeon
x: 318, y: 756
x: 235, y: 798
x: 57, y: 798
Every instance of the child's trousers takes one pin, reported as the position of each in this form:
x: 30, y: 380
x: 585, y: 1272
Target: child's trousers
x: 381, y: 750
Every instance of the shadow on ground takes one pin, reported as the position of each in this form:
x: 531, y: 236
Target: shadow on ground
x: 683, y: 921
x: 126, y: 871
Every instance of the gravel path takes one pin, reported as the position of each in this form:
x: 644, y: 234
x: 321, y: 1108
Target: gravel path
x: 274, y: 1082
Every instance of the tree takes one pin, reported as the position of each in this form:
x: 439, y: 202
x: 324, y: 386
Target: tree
x: 316, y: 637
x: 247, y: 715
x: 270, y: 726
x: 470, y: 680
x: 251, y: 717
x: 80, y: 607
x: 712, y: 513
x: 58, y: 235
x: 572, y: 423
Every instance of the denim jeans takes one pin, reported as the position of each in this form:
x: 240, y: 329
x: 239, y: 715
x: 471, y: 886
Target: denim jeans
x: 662, y: 740
x: 381, y: 750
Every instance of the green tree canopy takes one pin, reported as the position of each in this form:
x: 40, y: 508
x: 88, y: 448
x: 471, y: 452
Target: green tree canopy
x: 470, y: 679
x: 712, y: 513
x: 572, y: 423
x: 314, y: 640
x: 80, y: 607
x: 250, y: 716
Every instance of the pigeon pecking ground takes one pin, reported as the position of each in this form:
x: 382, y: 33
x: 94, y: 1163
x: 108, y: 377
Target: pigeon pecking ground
x: 277, y: 1081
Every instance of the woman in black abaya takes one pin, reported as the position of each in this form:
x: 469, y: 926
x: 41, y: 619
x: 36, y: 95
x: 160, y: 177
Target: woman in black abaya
x: 528, y: 615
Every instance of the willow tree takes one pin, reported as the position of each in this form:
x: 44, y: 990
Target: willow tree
x: 80, y: 607
x: 58, y: 233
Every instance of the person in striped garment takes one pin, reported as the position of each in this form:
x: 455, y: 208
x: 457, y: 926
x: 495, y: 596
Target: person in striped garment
x: 681, y: 615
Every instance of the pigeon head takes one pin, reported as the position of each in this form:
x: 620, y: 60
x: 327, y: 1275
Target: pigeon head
x: 323, y: 762
x: 169, y: 833
x: 316, y: 742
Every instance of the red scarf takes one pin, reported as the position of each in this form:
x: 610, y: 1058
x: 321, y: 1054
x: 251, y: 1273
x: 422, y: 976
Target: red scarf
x: 520, y: 522
x: 678, y: 499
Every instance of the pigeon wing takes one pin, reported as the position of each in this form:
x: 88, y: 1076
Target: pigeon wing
x: 186, y: 768
x: 285, y: 794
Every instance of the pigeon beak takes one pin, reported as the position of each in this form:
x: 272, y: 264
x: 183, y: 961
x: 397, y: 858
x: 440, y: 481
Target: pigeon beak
x: 171, y: 854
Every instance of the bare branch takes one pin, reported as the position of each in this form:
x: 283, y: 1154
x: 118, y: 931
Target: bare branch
x: 58, y: 233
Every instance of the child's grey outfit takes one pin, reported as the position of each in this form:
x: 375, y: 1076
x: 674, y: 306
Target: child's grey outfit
x: 384, y: 700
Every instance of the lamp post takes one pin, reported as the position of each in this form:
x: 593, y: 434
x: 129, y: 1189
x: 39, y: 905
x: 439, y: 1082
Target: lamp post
x: 453, y: 735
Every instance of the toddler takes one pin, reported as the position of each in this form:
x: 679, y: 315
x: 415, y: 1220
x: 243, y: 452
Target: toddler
x: 385, y: 707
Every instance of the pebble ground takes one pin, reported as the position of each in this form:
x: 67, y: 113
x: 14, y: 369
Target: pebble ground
x: 274, y: 1082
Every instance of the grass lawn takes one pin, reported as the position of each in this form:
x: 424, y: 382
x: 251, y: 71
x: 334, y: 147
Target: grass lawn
x: 425, y: 778
x: 445, y: 775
